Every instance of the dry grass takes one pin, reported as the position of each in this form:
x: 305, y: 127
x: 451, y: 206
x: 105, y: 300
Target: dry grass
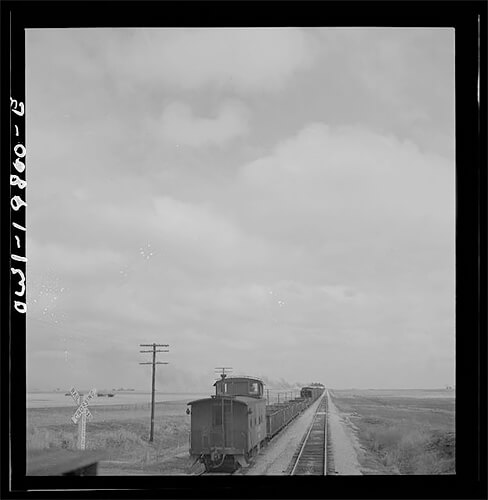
x: 403, y: 435
x: 122, y: 433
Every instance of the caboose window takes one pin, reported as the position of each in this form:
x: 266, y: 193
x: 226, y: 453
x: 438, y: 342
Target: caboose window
x: 254, y: 388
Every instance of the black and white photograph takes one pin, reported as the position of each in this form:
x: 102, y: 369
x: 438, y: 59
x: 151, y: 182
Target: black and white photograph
x: 244, y: 248
x: 241, y: 251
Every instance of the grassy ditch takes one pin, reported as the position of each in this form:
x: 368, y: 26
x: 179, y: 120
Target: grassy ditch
x: 122, y: 434
x: 400, y: 435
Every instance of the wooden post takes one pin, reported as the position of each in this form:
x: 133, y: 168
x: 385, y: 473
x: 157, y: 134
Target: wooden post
x: 82, y: 431
x: 151, y: 435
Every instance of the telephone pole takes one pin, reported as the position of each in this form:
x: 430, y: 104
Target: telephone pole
x: 153, y: 363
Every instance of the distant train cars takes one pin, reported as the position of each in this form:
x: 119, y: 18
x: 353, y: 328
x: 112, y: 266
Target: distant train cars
x: 228, y: 428
x: 313, y: 391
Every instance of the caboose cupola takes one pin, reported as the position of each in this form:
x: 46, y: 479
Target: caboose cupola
x: 239, y: 386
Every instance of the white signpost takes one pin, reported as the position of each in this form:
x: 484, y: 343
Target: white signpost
x: 81, y: 414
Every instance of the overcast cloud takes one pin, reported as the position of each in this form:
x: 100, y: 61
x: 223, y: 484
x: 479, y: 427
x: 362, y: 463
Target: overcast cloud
x: 281, y: 201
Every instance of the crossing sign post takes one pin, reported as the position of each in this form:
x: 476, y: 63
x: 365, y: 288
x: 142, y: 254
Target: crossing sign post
x: 81, y: 414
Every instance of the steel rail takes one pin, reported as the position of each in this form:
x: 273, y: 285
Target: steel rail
x: 304, y: 444
x: 305, y: 441
x: 326, y: 425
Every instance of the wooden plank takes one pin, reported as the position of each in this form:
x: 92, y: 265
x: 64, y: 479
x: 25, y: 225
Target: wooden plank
x: 60, y: 462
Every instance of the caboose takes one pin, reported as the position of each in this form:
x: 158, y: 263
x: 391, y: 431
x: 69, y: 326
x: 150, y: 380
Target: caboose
x: 229, y: 427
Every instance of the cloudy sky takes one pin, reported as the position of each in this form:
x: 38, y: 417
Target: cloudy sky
x: 280, y: 201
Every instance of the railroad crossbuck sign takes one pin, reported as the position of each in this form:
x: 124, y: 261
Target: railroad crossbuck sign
x: 81, y: 414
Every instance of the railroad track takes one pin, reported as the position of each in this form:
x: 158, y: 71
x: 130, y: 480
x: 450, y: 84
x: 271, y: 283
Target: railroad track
x: 312, y: 457
x: 205, y: 473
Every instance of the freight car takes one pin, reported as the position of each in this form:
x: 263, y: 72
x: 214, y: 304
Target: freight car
x: 228, y: 428
x: 313, y: 391
x: 280, y: 415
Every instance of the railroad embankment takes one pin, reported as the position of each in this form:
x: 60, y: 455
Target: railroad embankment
x: 343, y: 444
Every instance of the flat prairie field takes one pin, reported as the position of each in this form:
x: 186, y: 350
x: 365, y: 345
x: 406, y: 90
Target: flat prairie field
x: 121, y: 432
x: 401, y: 432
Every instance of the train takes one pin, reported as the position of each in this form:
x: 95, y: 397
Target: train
x: 229, y: 428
